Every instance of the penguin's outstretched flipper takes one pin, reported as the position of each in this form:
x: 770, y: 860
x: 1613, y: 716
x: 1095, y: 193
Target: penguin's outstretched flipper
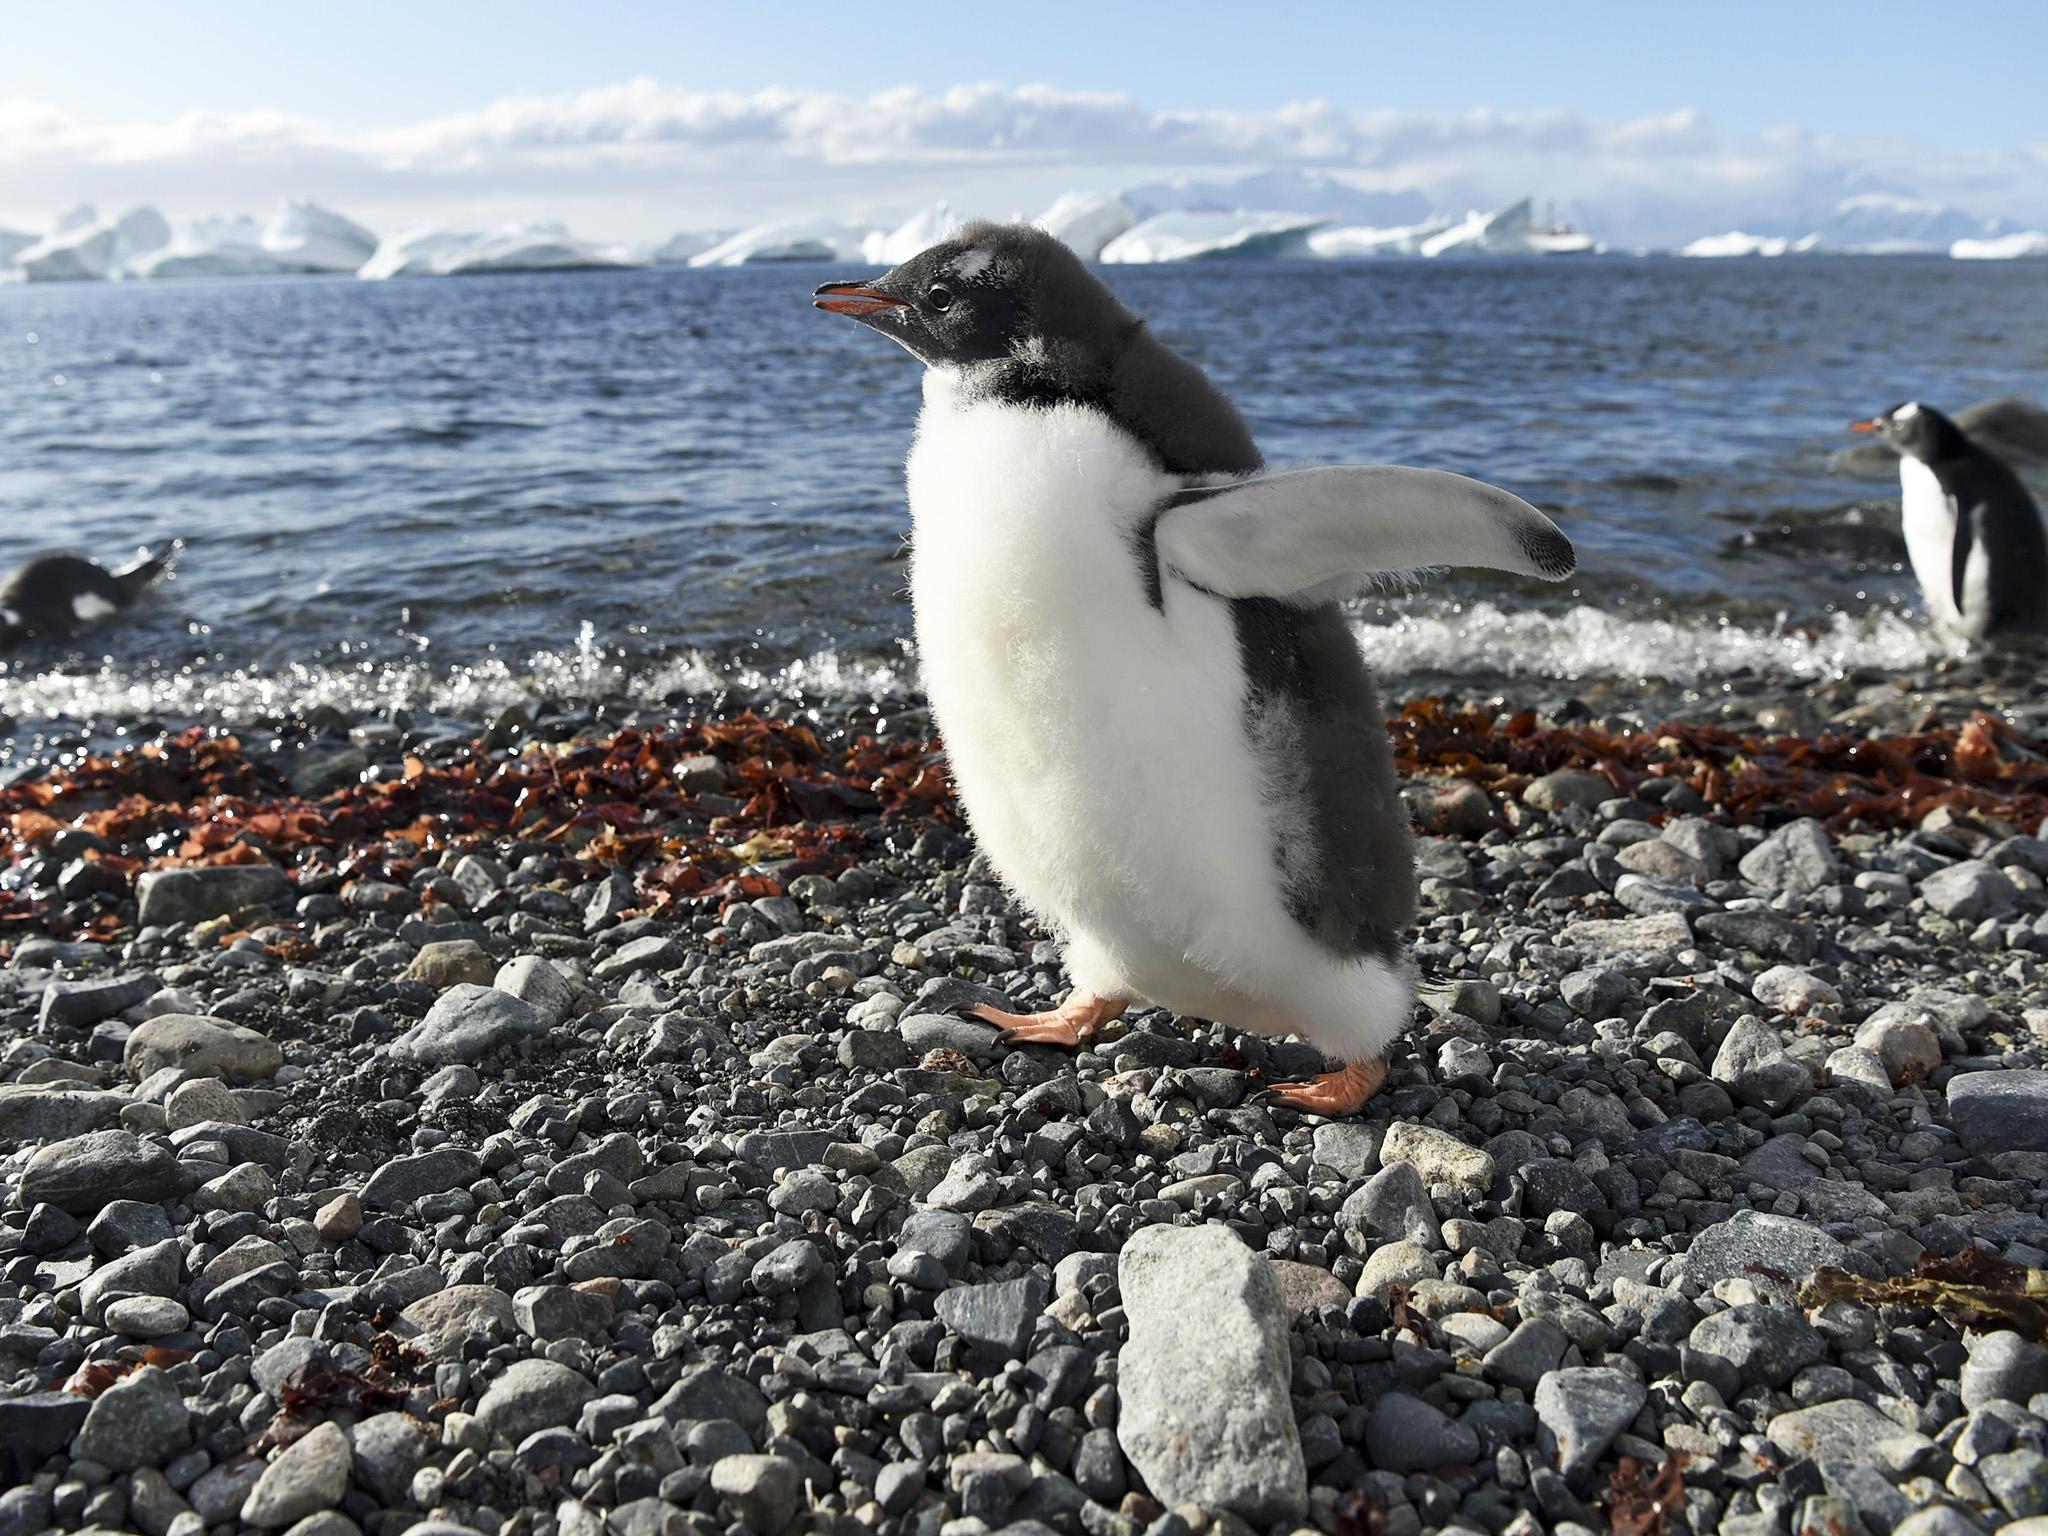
x: 1309, y: 535
x: 134, y: 580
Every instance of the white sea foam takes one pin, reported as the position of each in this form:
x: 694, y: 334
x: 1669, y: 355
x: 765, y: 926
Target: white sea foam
x: 1477, y: 639
x: 1576, y: 643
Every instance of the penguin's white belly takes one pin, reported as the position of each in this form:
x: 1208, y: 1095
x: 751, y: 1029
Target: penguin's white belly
x: 1929, y: 523
x: 1097, y: 742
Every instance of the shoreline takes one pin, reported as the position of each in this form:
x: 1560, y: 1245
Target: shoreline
x: 588, y: 1131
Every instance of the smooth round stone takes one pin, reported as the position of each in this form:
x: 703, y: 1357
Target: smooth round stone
x: 147, y: 1317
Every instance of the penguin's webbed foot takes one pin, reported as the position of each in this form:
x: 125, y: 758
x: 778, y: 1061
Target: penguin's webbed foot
x: 1337, y: 1093
x: 1072, y: 1025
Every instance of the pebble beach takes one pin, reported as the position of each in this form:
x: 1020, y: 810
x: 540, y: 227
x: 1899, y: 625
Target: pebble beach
x: 557, y: 1126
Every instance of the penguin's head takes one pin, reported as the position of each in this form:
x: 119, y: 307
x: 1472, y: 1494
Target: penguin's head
x: 1914, y: 431
x: 995, y: 294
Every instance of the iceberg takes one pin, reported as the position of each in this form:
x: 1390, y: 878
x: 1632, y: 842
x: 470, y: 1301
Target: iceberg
x: 2028, y: 242
x: 1085, y: 222
x: 887, y: 248
x: 1503, y: 232
x: 530, y: 248
x: 1208, y: 236
x: 309, y: 238
x: 1738, y: 243
x: 298, y: 238
x: 1354, y: 241
x: 512, y: 248
x: 85, y: 247
x: 678, y: 250
x: 12, y: 243
x: 415, y: 253
x: 784, y: 240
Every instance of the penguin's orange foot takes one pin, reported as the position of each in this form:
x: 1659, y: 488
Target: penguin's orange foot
x: 1333, y: 1093
x: 1073, y: 1024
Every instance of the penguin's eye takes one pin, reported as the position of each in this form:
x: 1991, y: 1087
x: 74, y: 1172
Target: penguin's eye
x: 939, y: 297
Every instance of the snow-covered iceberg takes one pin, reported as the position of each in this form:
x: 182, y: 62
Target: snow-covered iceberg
x: 885, y: 248
x: 12, y: 243
x: 1740, y: 243
x: 415, y: 253
x: 513, y: 248
x: 1352, y: 241
x: 297, y: 239
x: 784, y: 240
x: 309, y: 238
x: 1085, y: 222
x: 531, y: 248
x: 85, y: 247
x: 2027, y: 242
x: 680, y: 249
x: 1503, y: 232
x: 1208, y: 236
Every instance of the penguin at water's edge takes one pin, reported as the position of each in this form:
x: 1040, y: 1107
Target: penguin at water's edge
x: 1975, y: 537
x: 1160, y: 725
x: 54, y: 596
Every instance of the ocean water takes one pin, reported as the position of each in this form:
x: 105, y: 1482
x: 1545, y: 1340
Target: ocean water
x: 449, y: 496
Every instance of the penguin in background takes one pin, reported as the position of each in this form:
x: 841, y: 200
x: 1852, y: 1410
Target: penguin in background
x: 54, y: 596
x: 1159, y: 722
x: 1973, y: 532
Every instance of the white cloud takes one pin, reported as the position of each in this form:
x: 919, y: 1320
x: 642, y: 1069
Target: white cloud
x: 641, y: 158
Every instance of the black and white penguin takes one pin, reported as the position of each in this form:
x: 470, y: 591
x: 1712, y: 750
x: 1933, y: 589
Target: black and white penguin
x: 1973, y: 532
x: 1158, y: 721
x: 52, y: 597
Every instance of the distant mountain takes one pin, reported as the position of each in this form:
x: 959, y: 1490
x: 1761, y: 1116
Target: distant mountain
x: 1881, y: 222
x: 1280, y: 192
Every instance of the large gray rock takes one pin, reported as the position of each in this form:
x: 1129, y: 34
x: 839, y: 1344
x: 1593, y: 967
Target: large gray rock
x: 1843, y: 1430
x: 1405, y: 1434
x: 82, y: 1004
x: 89, y: 1171
x: 1393, y: 1206
x: 1799, y: 857
x: 709, y: 1392
x: 388, y: 1450
x: 140, y: 1421
x: 1754, y: 1246
x: 309, y: 1475
x: 533, y: 1395
x: 1438, y: 1156
x: 1204, y: 1411
x: 194, y: 895
x: 2000, y: 1111
x: 467, y: 1022
x: 1968, y: 892
x: 152, y: 1271
x: 762, y: 1490
x: 995, y: 1319
x: 1579, y: 1412
x: 2003, y: 1366
x: 406, y: 1179
x: 1770, y: 1345
x: 1755, y: 1067
x: 536, y: 980
x: 200, y: 1047
x: 51, y: 1111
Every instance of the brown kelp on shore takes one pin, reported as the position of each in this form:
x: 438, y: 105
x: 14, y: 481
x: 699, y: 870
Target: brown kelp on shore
x: 789, y: 802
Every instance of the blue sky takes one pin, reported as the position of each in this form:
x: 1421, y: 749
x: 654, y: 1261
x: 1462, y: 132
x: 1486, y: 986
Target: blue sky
x: 1659, y: 119
x: 1960, y: 74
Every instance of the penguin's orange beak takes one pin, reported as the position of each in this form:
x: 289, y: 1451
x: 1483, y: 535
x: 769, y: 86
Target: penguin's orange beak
x: 854, y: 299
x: 1863, y: 426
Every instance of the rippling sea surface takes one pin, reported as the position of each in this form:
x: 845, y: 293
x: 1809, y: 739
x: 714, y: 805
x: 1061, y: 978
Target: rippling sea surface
x: 449, y: 496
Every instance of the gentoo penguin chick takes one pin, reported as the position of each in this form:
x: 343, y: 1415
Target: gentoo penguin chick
x: 52, y: 597
x: 1972, y: 529
x: 1158, y: 721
